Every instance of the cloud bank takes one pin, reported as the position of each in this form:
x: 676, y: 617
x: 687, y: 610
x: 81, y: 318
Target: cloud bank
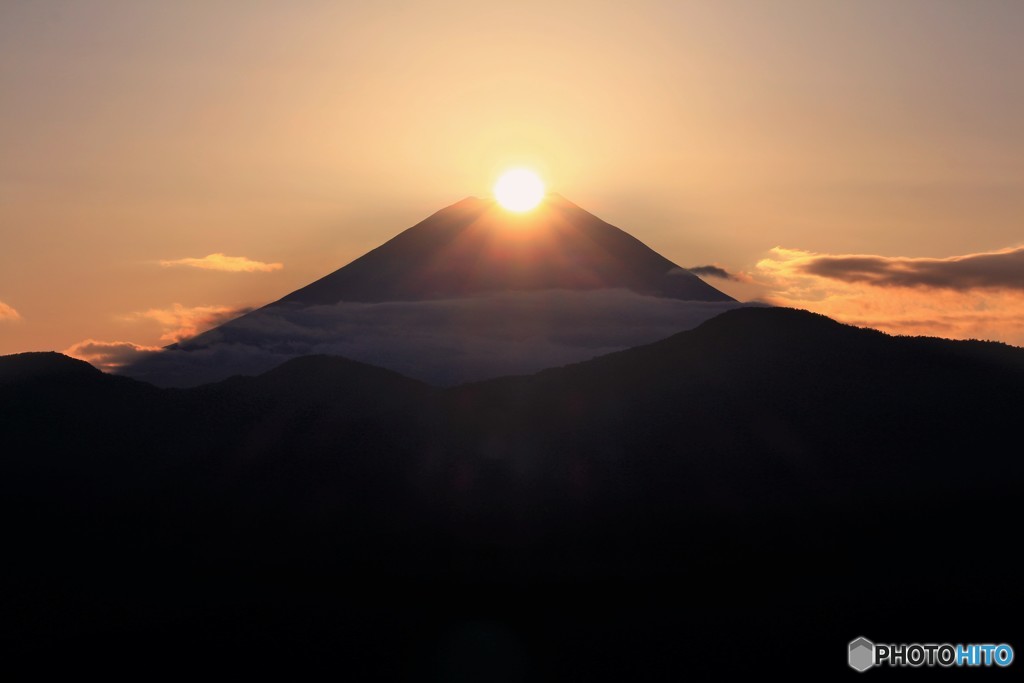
x: 109, y: 356
x: 229, y: 264
x: 1002, y: 269
x: 8, y: 313
x: 974, y: 296
x: 182, y: 322
x: 443, y: 342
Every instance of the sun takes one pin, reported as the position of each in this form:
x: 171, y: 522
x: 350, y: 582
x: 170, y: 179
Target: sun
x: 519, y: 189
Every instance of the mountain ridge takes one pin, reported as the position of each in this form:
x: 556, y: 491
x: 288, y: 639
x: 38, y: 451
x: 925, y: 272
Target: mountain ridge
x: 730, y: 325
x: 769, y: 465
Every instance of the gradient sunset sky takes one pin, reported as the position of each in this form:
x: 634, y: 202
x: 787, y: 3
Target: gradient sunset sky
x: 165, y: 165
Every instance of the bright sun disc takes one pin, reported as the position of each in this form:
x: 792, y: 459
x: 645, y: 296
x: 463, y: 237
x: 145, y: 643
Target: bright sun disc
x: 519, y: 190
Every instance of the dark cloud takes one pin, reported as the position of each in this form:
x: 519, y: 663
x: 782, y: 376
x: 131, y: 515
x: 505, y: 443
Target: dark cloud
x: 994, y: 270
x: 443, y: 342
x: 713, y: 271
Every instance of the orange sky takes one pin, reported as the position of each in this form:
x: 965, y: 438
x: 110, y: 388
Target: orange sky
x: 165, y: 164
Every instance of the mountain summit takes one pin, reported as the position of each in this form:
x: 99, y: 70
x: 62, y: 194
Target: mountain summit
x: 476, y: 247
x: 470, y: 293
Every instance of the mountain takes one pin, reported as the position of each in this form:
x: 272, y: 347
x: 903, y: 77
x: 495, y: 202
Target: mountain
x: 770, y: 471
x: 476, y: 247
x: 470, y: 293
x: 35, y: 366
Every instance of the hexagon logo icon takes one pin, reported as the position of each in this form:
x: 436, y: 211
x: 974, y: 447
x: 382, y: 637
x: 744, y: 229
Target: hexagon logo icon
x: 862, y: 654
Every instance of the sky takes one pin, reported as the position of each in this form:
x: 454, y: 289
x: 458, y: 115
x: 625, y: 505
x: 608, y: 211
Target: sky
x: 164, y: 166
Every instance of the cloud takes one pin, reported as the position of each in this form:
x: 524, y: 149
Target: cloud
x: 8, y: 312
x: 108, y: 356
x: 443, y: 342
x: 1002, y: 269
x: 973, y: 296
x: 181, y: 322
x: 230, y: 264
x: 714, y: 271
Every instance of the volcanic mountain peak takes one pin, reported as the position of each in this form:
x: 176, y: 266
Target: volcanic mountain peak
x: 472, y: 292
x: 475, y: 247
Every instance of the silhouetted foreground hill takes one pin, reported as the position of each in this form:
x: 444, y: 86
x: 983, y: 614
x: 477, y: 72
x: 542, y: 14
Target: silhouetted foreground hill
x: 770, y: 479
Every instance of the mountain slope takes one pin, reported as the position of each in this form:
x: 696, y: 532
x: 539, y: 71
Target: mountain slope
x: 755, y: 405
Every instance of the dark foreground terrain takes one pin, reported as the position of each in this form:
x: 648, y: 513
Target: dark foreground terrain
x: 749, y: 495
